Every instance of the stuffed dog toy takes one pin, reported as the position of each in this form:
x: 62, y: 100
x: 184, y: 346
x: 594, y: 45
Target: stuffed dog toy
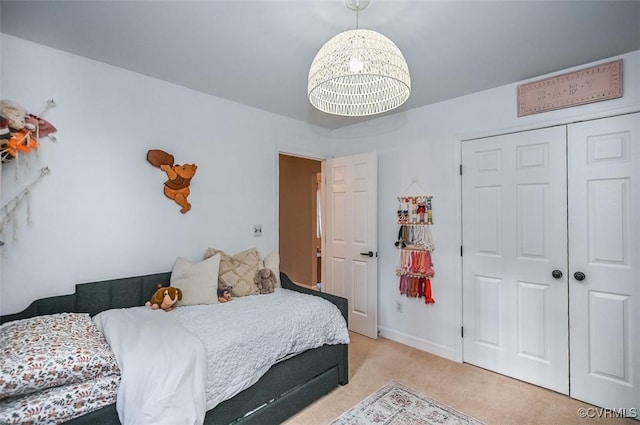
x: 265, y: 279
x: 224, y: 295
x: 164, y: 298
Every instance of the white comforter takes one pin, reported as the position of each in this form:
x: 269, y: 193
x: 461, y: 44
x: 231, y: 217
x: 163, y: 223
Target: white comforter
x: 164, y: 366
x: 246, y: 336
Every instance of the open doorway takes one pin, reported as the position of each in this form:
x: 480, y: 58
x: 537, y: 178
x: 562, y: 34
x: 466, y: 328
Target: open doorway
x: 300, y: 220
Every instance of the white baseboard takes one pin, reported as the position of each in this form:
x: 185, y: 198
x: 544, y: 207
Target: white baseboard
x: 419, y: 343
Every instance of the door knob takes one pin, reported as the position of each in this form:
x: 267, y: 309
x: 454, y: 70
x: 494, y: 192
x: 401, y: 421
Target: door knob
x: 557, y: 274
x: 368, y: 254
x: 579, y: 276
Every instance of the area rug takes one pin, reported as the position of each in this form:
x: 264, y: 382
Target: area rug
x: 395, y: 404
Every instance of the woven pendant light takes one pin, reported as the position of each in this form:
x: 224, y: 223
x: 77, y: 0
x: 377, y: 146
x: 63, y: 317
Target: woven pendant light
x: 358, y: 73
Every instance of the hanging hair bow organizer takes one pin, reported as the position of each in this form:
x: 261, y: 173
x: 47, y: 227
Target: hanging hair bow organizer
x: 415, y: 242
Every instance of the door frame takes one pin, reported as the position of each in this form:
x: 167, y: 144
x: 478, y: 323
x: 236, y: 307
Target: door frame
x: 301, y: 155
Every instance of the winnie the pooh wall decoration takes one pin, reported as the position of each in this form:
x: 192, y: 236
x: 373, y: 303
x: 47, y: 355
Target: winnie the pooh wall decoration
x: 179, y: 177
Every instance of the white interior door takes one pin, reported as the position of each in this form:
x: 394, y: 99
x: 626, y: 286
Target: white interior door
x: 350, y: 263
x: 514, y: 238
x: 604, y: 230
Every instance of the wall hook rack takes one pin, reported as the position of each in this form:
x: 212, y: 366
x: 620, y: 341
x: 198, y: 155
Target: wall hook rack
x: 415, y: 217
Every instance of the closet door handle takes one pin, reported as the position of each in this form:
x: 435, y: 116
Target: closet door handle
x: 579, y: 276
x: 368, y: 254
x: 557, y: 274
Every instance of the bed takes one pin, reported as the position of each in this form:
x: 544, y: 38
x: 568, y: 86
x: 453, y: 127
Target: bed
x: 287, y: 386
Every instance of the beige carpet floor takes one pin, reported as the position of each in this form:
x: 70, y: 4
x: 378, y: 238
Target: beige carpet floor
x: 487, y: 396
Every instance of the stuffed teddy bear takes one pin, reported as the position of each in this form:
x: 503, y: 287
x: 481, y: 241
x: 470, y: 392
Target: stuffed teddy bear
x: 164, y: 298
x: 265, y: 279
x: 179, y: 177
x: 224, y: 295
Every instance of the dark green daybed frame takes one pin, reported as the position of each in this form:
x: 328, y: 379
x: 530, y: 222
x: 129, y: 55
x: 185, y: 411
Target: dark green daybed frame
x: 285, y: 389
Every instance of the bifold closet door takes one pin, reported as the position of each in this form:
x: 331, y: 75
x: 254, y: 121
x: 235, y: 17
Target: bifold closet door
x: 604, y: 261
x: 514, y: 212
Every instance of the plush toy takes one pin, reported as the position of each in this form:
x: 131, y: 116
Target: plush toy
x: 164, y: 298
x: 13, y: 113
x: 177, y: 187
x: 265, y: 279
x: 224, y: 295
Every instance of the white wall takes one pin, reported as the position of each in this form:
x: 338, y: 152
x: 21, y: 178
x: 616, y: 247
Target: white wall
x: 425, y: 143
x: 101, y: 212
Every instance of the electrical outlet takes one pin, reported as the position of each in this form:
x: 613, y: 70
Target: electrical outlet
x: 257, y: 230
x: 399, y: 306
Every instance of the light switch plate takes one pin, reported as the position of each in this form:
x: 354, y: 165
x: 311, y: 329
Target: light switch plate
x: 257, y: 230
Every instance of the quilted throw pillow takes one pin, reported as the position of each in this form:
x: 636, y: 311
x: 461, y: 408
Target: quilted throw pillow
x: 238, y: 271
x: 47, y: 351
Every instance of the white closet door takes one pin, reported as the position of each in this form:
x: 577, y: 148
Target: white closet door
x: 604, y: 230
x: 514, y: 236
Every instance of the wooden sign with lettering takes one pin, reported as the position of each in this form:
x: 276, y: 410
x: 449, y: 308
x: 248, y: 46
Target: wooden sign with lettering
x: 593, y: 84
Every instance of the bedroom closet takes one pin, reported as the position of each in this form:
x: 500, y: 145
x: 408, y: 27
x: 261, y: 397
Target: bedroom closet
x: 551, y: 255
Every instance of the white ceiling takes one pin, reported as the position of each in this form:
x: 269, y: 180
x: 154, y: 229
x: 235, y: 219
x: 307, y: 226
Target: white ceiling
x: 258, y: 52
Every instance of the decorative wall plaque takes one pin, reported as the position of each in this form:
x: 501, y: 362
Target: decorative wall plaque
x: 593, y: 84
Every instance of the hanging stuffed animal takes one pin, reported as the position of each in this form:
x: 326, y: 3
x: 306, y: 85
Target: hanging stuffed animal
x: 14, y: 113
x: 12, y: 120
x: 19, y: 130
x: 177, y: 187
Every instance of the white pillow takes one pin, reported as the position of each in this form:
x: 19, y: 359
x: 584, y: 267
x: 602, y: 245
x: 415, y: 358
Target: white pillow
x: 198, y: 281
x: 272, y: 261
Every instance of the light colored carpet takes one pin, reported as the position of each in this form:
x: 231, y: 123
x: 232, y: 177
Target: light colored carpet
x: 395, y: 404
x: 487, y: 396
